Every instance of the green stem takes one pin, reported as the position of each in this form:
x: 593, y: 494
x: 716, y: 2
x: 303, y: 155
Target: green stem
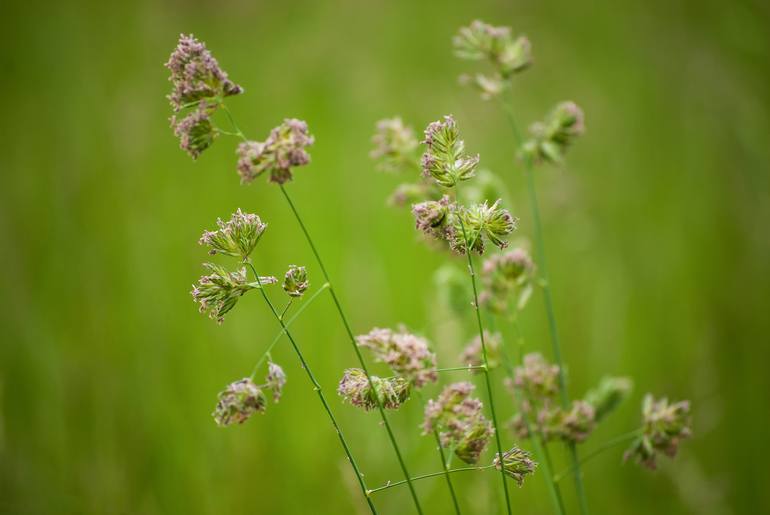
x: 488, y: 382
x: 380, y: 408
x: 536, y: 436
x: 426, y: 476
x: 359, y: 356
x: 317, y: 388
x: 556, y: 346
x: 605, y: 446
x: 444, y: 464
x: 281, y: 332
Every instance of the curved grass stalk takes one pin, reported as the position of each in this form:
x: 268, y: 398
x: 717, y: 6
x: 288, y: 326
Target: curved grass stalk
x: 426, y: 476
x: 603, y: 447
x: 485, y: 368
x: 555, y: 344
x: 318, y: 390
x: 361, y: 361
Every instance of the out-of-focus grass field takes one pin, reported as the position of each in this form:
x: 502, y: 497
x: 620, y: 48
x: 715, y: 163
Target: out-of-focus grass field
x: 657, y: 232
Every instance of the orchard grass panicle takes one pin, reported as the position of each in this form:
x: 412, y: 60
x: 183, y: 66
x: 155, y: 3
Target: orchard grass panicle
x: 459, y: 421
x: 283, y: 150
x: 295, y: 281
x: 406, y: 354
x: 239, y: 402
x: 445, y: 159
x: 236, y: 237
x: 516, y: 463
x: 665, y: 426
x: 356, y: 388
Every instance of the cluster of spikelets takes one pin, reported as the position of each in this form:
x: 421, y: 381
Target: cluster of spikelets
x: 538, y: 384
x: 241, y: 399
x: 409, y: 358
x: 218, y: 292
x: 507, y: 279
x: 198, y: 87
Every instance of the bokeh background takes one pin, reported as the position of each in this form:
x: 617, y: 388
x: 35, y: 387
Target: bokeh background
x: 657, y: 232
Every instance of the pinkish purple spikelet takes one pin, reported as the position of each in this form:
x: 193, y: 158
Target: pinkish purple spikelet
x: 406, y: 354
x: 283, y: 149
x: 196, y: 74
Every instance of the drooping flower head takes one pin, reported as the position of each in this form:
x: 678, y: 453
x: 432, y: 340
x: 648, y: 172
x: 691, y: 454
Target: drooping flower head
x: 237, y: 237
x: 479, y: 222
x: 433, y: 217
x: 445, y: 159
x: 394, y: 145
x: 516, y: 463
x: 608, y: 395
x: 356, y: 389
x: 551, y: 137
x: 473, y: 356
x: 239, y: 401
x: 665, y: 426
x: 283, y: 150
x: 219, y: 291
x: 508, y: 55
x: 406, y: 354
x: 578, y: 423
x: 275, y: 380
x: 196, y: 75
x: 195, y: 131
x: 458, y: 419
x: 295, y: 281
x: 511, y: 274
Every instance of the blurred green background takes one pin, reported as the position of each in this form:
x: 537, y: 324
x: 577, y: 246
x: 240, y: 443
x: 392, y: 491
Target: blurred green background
x: 657, y: 233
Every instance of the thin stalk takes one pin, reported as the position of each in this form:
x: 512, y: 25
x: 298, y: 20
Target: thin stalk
x: 444, y: 465
x: 603, y: 447
x: 556, y: 346
x: 381, y: 410
x: 426, y: 476
x: 318, y: 390
x: 536, y: 436
x: 359, y: 356
x: 277, y: 337
x: 485, y: 369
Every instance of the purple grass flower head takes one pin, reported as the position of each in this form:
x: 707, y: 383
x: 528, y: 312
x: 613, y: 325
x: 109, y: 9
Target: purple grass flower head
x: 406, y: 354
x: 196, y: 75
x: 195, y: 131
x: 355, y: 388
x: 505, y: 277
x: 237, y: 237
x: 295, y: 281
x: 473, y: 356
x: 551, y: 138
x: 218, y: 292
x: 458, y: 419
x: 275, y: 380
x: 578, y: 423
x: 608, y: 395
x: 665, y: 426
x: 283, y: 150
x: 433, y: 217
x: 516, y: 463
x: 238, y: 402
x: 445, y: 159
x: 394, y: 145
x: 537, y: 378
x: 479, y: 222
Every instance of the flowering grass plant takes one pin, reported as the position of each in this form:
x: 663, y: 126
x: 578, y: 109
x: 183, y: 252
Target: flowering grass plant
x: 493, y: 276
